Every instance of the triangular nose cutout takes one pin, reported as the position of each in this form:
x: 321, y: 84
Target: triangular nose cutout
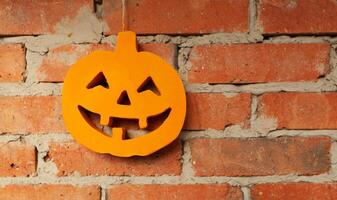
x: 124, y: 99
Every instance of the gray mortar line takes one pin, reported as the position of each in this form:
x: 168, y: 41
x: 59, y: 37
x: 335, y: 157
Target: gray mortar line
x: 30, y: 89
x: 104, y: 195
x: 246, y: 193
x: 333, y: 154
x: 253, y: 108
x: 47, y: 89
x: 332, y: 76
x: 98, y: 8
x: 106, y: 181
x: 239, y: 133
x: 234, y: 131
x: 252, y: 15
x: 300, y: 39
x: 33, y: 61
x: 24, y: 73
x: 42, y: 43
x: 303, y: 133
x: 183, y: 66
x: 7, y: 138
x: 187, y: 168
x: 225, y: 38
x: 259, y: 88
x: 254, y: 28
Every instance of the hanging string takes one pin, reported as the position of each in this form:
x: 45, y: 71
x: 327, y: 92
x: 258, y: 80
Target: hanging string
x: 123, y: 15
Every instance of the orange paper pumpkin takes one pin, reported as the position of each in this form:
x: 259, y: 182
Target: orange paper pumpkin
x: 124, y: 85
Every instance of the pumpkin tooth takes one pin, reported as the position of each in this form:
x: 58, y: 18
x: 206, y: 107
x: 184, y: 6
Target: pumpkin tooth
x: 106, y: 130
x: 104, y: 120
x: 136, y: 133
x: 118, y: 133
x: 142, y: 123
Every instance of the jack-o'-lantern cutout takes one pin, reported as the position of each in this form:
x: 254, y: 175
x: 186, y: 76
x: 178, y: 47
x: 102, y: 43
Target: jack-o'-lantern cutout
x: 121, y: 90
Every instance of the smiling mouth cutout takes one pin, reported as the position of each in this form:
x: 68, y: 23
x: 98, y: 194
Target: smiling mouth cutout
x: 131, y: 127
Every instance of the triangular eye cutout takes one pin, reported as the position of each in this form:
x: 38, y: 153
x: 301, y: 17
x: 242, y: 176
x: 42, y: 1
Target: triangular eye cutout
x: 98, y: 80
x: 149, y: 84
x: 124, y: 99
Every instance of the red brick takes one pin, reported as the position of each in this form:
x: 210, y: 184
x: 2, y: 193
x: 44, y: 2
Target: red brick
x: 258, y: 63
x: 71, y: 157
x: 12, y: 62
x: 37, y: 17
x: 216, y: 111
x: 58, y: 60
x: 300, y: 16
x: 17, y: 159
x: 298, y: 191
x: 177, y: 17
x: 31, y: 114
x: 261, y: 156
x: 168, y: 192
x: 37, y: 192
x: 300, y: 110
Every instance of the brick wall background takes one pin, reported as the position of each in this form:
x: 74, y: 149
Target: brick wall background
x: 261, y: 78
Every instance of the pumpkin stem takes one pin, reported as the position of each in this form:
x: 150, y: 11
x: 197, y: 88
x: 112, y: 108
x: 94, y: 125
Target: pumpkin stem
x: 126, y: 42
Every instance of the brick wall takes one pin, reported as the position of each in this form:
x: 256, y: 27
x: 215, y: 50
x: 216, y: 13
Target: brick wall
x: 261, y: 81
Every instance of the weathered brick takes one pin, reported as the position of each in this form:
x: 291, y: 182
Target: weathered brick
x: 31, y: 114
x: 177, y: 17
x: 258, y: 63
x: 12, y: 62
x: 168, y: 192
x: 71, y: 157
x: 58, y: 60
x: 37, y: 192
x: 37, y: 17
x: 300, y: 110
x: 298, y: 17
x: 298, y: 191
x: 216, y: 111
x: 17, y: 159
x: 261, y: 156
